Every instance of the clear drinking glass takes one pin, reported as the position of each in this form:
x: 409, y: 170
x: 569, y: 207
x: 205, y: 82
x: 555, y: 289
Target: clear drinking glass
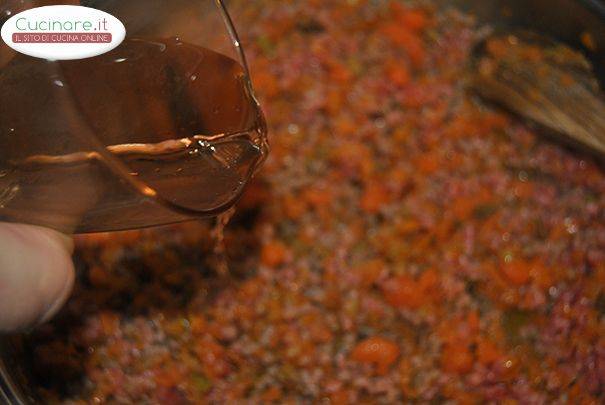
x: 163, y: 128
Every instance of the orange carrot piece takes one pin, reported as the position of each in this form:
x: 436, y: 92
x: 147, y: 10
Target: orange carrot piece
x: 403, y: 292
x: 273, y: 254
x: 456, y: 359
x: 374, y: 197
x: 378, y: 351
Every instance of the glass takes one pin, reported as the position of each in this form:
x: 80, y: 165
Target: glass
x: 164, y: 128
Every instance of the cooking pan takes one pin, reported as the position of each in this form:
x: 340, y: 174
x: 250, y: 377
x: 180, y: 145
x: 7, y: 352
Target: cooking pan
x: 563, y: 20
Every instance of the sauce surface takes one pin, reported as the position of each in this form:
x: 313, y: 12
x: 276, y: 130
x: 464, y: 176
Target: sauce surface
x: 404, y: 242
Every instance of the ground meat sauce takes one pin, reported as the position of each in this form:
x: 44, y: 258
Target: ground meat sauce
x: 403, y: 242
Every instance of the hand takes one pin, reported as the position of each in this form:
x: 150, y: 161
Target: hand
x: 36, y: 275
x: 36, y: 272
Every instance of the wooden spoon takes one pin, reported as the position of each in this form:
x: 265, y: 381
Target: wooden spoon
x: 544, y: 81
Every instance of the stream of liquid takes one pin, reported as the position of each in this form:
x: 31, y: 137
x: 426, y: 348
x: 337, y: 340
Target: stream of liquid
x: 221, y: 258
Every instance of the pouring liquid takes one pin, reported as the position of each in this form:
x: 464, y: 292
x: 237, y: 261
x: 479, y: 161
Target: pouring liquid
x: 179, y: 119
x: 221, y: 258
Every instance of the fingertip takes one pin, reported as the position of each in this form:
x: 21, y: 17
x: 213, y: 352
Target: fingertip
x: 36, y: 275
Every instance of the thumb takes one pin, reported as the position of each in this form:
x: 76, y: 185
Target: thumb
x: 36, y: 274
